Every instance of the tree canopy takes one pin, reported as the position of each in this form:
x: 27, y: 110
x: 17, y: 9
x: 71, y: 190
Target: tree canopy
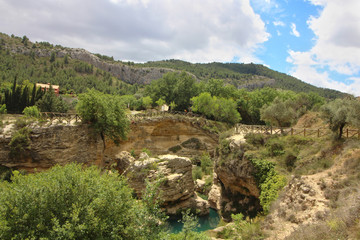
x: 174, y: 87
x: 73, y: 202
x: 105, y: 114
x: 340, y: 112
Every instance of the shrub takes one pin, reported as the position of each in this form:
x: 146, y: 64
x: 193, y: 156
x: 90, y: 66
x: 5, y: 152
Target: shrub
x: 208, y: 183
x: 147, y: 151
x: 247, y: 229
x: 32, y: 111
x: 255, y: 139
x: 20, y: 142
x: 175, y: 149
x: 3, y: 109
x: 290, y: 159
x: 275, y: 147
x: 74, y: 203
x: 197, y: 173
x: 192, y: 143
x: 206, y: 164
x: 269, y: 181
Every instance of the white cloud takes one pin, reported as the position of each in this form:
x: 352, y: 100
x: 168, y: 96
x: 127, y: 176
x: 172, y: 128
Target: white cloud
x: 141, y: 30
x: 293, y: 30
x: 336, y: 48
x: 279, y: 23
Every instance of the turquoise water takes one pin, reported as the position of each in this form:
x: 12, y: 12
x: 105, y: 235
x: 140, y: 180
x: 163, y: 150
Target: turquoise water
x: 206, y: 222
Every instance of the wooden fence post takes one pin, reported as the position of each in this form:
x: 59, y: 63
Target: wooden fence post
x: 347, y: 133
x: 292, y: 131
x: 304, y: 132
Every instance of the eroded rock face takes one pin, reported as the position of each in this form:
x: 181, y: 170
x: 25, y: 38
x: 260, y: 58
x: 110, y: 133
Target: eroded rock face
x: 177, y: 186
x: 60, y: 144
x: 236, y: 190
x: 164, y: 136
x: 119, y: 70
x: 55, y: 145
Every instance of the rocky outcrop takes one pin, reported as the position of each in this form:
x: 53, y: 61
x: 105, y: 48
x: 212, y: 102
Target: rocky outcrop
x: 166, y: 135
x: 55, y: 145
x: 59, y: 144
x: 235, y: 189
x: 119, y: 70
x: 176, y: 188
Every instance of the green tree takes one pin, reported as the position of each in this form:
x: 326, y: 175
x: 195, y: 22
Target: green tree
x: 203, y: 104
x: 3, y: 109
x: 173, y: 87
x: 32, y: 111
x: 52, y: 103
x: 340, y: 112
x: 278, y: 113
x: 66, y: 59
x: 147, y: 101
x: 52, y: 57
x: 105, y: 114
x: 160, y: 102
x: 220, y: 109
x: 73, y: 202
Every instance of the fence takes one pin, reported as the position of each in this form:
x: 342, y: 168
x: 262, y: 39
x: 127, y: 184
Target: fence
x: 306, y: 132
x: 68, y: 117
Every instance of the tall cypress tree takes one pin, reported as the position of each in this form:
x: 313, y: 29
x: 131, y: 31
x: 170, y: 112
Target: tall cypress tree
x: 24, y: 100
x: 33, y: 95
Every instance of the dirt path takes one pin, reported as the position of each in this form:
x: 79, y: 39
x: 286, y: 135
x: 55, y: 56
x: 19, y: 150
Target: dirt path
x: 303, y: 201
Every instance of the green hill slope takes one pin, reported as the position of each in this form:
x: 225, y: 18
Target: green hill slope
x: 75, y: 70
x: 250, y: 76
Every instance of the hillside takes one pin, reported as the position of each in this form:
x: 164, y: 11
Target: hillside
x: 250, y: 76
x: 77, y: 69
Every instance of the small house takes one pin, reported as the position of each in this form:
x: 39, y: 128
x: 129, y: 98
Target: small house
x: 46, y: 87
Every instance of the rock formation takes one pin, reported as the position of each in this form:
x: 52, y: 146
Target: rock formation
x: 235, y: 189
x: 166, y: 135
x: 177, y: 186
x: 60, y: 144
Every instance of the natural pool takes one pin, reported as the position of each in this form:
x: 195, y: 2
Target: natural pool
x: 206, y: 222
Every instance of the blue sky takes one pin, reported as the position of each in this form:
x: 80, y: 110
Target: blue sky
x: 317, y: 41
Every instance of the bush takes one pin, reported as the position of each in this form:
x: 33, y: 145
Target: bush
x: 73, y: 203
x: 206, y: 164
x: 175, y: 149
x: 20, y: 142
x: 269, y: 181
x: 290, y: 160
x: 255, y: 139
x: 275, y: 147
x: 3, y: 109
x: 32, y: 111
x: 147, y: 151
x: 197, y: 173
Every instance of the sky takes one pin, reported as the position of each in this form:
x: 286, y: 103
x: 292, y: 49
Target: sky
x: 317, y: 41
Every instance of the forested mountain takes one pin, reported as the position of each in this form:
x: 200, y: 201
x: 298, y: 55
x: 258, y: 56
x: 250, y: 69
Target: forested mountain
x: 250, y: 76
x: 75, y: 70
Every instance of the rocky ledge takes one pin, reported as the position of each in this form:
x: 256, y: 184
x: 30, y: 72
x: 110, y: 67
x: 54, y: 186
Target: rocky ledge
x: 175, y: 174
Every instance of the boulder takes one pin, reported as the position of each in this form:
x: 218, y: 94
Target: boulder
x: 123, y: 160
x: 177, y: 186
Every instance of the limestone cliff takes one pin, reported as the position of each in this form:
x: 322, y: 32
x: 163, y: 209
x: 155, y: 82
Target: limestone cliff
x: 166, y: 135
x: 119, y: 70
x: 55, y: 145
x: 177, y: 186
x: 235, y: 189
x: 63, y: 144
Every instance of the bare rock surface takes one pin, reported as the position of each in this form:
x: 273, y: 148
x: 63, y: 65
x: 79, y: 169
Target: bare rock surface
x: 177, y: 185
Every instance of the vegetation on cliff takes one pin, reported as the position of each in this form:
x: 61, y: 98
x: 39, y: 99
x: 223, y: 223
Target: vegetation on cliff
x: 105, y: 114
x: 73, y: 202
